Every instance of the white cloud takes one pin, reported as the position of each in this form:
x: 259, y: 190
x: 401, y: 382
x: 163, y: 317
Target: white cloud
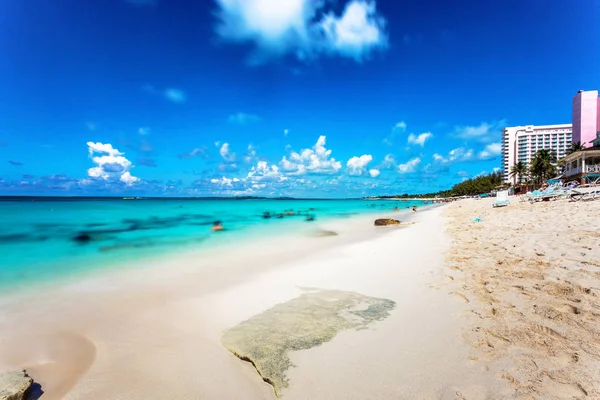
x: 490, y: 151
x: 128, y: 179
x: 357, y: 32
x: 316, y: 160
x: 243, y: 118
x: 410, y: 166
x: 263, y: 172
x: 419, y: 139
x: 111, y: 164
x: 285, y: 132
x: 301, y: 28
x: 226, y: 154
x: 456, y: 155
x: 484, y: 132
x: 250, y: 154
x: 357, y: 165
x: 144, y: 131
x: 388, y: 162
x: 374, y: 173
x: 224, y: 181
x: 175, y: 95
x: 399, y: 127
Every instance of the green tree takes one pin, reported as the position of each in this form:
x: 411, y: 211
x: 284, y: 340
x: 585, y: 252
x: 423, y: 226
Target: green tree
x: 575, y: 147
x: 519, y: 170
x: 543, y: 165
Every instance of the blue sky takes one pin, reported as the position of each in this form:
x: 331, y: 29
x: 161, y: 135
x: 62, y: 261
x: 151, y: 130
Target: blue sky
x: 256, y: 97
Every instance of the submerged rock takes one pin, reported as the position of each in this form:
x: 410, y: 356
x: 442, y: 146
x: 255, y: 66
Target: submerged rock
x: 14, y: 385
x: 386, y: 221
x: 82, y: 237
x: 304, y: 322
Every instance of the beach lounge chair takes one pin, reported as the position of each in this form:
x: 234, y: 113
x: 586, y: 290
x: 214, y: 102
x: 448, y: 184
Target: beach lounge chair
x: 501, y: 199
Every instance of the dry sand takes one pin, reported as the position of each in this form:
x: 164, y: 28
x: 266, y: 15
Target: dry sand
x: 156, y: 332
x: 529, y: 275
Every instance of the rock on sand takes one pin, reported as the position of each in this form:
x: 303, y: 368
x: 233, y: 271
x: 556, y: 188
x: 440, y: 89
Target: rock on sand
x: 14, y: 385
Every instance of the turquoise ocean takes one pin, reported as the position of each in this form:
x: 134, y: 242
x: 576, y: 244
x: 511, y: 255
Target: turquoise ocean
x: 44, y: 239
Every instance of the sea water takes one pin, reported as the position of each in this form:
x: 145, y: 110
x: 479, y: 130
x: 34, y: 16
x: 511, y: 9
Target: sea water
x: 51, y: 238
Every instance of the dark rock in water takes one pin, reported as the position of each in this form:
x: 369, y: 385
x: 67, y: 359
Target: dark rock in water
x: 82, y: 237
x: 386, y: 221
x: 310, y: 218
x: 266, y: 215
x: 14, y: 385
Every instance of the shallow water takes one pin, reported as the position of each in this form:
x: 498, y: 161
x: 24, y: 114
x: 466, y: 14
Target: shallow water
x: 48, y: 238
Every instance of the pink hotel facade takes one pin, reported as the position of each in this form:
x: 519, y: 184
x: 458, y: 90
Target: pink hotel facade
x: 586, y: 117
x: 520, y: 143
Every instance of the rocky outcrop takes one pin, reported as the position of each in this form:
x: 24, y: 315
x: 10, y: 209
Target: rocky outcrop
x: 14, y: 385
x: 386, y: 221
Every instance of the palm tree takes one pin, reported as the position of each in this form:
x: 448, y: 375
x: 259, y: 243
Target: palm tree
x: 543, y: 165
x: 519, y: 170
x: 575, y: 147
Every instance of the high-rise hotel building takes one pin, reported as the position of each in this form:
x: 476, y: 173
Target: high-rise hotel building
x: 520, y: 143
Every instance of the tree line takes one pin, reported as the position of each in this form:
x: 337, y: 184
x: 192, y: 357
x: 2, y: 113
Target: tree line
x: 470, y: 187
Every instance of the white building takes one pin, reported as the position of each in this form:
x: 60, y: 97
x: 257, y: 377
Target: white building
x: 520, y: 143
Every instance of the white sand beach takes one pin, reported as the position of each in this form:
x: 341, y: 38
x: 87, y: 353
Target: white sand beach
x: 468, y: 323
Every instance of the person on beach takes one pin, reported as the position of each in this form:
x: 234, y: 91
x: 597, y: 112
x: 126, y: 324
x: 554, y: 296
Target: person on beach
x: 217, y: 226
x: 414, y: 208
x: 396, y: 209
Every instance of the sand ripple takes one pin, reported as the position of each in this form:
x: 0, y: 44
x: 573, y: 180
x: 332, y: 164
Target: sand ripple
x: 530, y: 278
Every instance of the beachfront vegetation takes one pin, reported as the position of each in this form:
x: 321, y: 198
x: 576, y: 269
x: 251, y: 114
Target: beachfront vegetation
x: 575, y: 147
x: 519, y: 170
x: 470, y: 187
x: 543, y: 165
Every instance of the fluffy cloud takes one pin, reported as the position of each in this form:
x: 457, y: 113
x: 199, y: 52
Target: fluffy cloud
x: 419, y: 139
x: 285, y: 132
x: 357, y: 32
x: 226, y: 154
x: 399, y: 127
x: 301, y: 28
x: 144, y: 131
x: 410, y: 166
x: 388, y: 162
x: 490, y: 151
x: 242, y: 118
x: 224, y: 181
x: 265, y: 172
x: 484, y: 132
x: 316, y: 160
x: 110, y: 165
x: 374, y: 173
x: 459, y: 154
x: 357, y: 165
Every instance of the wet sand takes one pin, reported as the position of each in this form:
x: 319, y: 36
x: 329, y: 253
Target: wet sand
x: 157, y: 331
